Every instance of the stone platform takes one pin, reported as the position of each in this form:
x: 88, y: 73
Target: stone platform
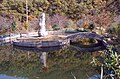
x: 54, y: 39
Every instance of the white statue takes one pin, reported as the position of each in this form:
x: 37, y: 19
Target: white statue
x: 43, y: 59
x: 42, y: 31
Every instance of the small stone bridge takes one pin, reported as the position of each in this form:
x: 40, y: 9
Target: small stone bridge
x: 85, y: 35
x: 101, y: 42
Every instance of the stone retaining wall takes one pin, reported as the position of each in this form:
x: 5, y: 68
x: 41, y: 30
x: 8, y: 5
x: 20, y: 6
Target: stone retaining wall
x: 42, y: 44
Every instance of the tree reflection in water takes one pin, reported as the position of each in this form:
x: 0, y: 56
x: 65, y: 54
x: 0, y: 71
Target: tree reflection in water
x: 60, y: 63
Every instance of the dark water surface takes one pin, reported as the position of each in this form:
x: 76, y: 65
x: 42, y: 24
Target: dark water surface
x: 60, y: 63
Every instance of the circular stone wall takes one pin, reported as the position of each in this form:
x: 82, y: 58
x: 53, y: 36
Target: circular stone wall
x: 53, y: 39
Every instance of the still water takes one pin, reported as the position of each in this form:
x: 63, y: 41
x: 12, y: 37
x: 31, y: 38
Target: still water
x: 60, y: 63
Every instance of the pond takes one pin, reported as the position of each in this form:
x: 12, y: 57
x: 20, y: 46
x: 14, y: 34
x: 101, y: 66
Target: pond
x: 63, y: 63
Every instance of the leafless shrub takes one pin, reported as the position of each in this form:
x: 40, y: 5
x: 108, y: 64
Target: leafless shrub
x: 59, y: 21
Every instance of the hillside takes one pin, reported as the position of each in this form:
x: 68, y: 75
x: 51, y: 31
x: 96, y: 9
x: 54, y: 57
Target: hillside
x: 101, y: 16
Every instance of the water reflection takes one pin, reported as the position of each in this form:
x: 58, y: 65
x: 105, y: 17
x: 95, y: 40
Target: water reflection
x: 40, y: 49
x: 43, y: 58
x: 10, y: 77
x: 57, y: 64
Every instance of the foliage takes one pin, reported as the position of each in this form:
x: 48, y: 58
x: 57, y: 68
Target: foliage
x: 88, y: 23
x: 59, y: 21
x: 3, y: 30
x: 74, y: 9
x: 104, y: 20
x: 111, y: 63
x: 14, y: 26
x: 65, y: 13
x: 114, y: 32
x: 55, y: 27
x: 26, y: 25
x: 70, y: 24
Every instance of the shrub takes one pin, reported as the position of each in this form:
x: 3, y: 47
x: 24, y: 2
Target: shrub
x: 26, y: 25
x: 70, y: 24
x: 110, y: 60
x: 55, y: 27
x: 59, y: 21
